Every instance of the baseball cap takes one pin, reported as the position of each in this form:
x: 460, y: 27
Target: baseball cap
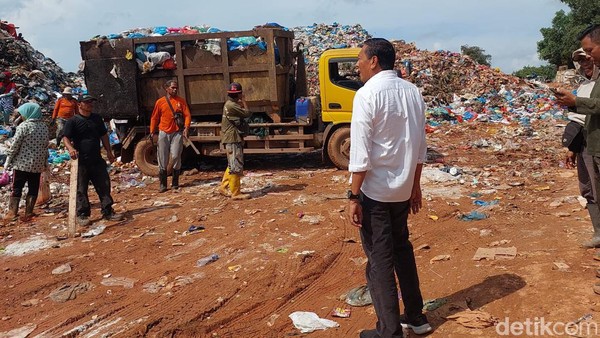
x: 234, y: 88
x: 87, y: 97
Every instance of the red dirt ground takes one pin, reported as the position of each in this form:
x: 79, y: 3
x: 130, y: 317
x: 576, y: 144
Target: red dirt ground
x: 290, y: 248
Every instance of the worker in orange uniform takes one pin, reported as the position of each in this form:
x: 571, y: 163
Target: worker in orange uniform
x: 171, y: 119
x: 64, y: 109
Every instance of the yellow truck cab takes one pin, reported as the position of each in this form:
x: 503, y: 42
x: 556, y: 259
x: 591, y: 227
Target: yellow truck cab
x: 338, y: 82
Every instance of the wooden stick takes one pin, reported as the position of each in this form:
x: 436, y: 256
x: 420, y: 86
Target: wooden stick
x: 73, y: 198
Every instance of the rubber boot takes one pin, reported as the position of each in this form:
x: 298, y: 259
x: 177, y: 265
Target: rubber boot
x: 13, y: 209
x: 162, y: 176
x: 594, y: 212
x: 234, y: 186
x: 175, y: 182
x: 223, y: 189
x: 29, y: 205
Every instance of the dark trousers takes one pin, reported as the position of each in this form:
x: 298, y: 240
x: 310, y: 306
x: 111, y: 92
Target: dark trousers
x: 19, y: 180
x: 97, y: 174
x: 384, y: 235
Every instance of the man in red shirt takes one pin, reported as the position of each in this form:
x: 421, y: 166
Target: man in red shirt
x: 170, y: 135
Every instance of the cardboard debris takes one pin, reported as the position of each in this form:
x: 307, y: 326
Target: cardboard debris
x: 495, y: 253
x: 474, y: 319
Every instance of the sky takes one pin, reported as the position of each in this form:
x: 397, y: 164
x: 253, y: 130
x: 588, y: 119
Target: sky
x: 507, y: 30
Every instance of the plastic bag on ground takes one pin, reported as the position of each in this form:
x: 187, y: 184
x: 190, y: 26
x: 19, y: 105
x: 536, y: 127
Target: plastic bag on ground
x: 309, y: 322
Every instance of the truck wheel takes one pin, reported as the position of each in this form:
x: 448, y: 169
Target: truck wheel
x: 146, y: 158
x: 338, y: 147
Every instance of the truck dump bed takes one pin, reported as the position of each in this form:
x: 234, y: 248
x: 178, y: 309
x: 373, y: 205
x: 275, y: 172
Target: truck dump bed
x: 205, y: 66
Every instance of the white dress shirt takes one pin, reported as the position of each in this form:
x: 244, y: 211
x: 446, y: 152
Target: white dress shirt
x: 387, y: 136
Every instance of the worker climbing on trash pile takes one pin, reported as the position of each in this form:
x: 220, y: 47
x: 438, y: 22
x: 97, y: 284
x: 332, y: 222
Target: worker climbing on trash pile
x: 28, y: 157
x: 64, y: 109
x: 83, y: 134
x: 171, y: 120
x: 573, y: 138
x: 233, y: 129
x: 7, y: 90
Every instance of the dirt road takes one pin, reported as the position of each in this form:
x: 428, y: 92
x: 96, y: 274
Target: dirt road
x: 291, y: 249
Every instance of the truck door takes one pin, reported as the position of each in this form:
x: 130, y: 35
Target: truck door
x: 110, y: 75
x: 339, y: 81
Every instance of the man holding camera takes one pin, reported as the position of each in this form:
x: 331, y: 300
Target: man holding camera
x: 233, y: 127
x: 171, y: 120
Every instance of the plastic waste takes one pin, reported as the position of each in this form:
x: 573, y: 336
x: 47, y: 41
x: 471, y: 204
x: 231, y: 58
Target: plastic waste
x: 207, y: 260
x: 359, y: 296
x: 309, y: 322
x: 473, y: 216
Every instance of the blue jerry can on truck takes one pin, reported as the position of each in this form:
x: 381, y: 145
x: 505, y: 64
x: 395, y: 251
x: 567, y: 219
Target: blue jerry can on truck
x: 303, y: 110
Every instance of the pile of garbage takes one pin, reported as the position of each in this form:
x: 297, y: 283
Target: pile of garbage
x: 317, y: 38
x: 37, y: 77
x: 458, y: 89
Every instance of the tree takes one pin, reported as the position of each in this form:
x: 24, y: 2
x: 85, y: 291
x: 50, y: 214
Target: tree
x: 544, y: 73
x: 560, y: 40
x: 477, y: 54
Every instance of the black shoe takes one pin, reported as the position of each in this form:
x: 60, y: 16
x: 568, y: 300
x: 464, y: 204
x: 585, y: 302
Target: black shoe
x: 113, y: 217
x: 369, y: 334
x: 83, y: 221
x: 419, y: 325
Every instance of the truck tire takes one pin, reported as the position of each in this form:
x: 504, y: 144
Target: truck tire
x: 338, y: 147
x: 146, y: 159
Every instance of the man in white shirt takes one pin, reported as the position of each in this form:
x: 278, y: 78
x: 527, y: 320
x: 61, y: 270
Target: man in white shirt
x: 387, y: 151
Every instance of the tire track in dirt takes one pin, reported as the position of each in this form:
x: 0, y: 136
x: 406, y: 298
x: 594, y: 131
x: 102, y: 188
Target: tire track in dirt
x: 315, y: 285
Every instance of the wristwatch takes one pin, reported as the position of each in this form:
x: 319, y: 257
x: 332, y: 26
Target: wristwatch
x: 352, y: 196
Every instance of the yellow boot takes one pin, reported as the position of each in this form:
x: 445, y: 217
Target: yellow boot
x: 225, y: 184
x: 234, y: 185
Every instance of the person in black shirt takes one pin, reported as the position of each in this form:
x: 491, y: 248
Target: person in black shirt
x: 82, y: 134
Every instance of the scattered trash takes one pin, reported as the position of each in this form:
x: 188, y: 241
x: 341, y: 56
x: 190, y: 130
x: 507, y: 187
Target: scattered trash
x: 304, y: 253
x: 21, y: 332
x: 474, y: 319
x: 94, y: 231
x: 309, y: 321
x: 282, y: 250
x: 561, y: 267
x: 70, y: 291
x: 234, y: 268
x: 193, y: 229
x: 439, y: 258
x: 473, y: 216
x: 207, y: 260
x: 359, y: 296
x: 423, y: 247
x: 495, y: 253
x: 498, y: 243
x: 433, y: 304
x: 341, y: 312
x: 62, y: 269
x: 272, y: 320
x: 32, y: 244
x: 433, y: 217
x: 359, y: 260
x: 125, y: 282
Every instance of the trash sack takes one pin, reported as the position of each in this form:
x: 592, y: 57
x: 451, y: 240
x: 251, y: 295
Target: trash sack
x: 309, y: 322
x: 359, y: 296
x: 44, y: 193
x: 4, y: 178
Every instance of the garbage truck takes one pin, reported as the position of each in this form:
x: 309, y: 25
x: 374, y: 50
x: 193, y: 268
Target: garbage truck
x: 127, y: 77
